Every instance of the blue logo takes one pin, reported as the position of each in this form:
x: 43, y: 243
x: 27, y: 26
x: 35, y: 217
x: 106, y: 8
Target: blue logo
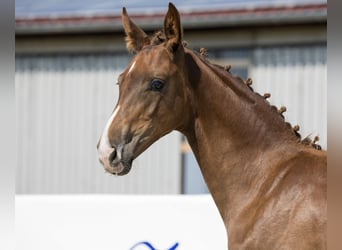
x: 149, y: 246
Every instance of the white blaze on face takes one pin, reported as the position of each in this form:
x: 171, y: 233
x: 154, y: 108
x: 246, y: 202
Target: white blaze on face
x: 105, y: 147
x: 131, y: 68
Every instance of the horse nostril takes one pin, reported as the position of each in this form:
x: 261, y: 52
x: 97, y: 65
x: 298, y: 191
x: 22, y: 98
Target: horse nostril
x: 112, y: 156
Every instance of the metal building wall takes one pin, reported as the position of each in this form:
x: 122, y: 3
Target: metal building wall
x: 296, y: 78
x: 63, y: 103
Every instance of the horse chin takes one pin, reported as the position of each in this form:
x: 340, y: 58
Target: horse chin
x: 118, y: 160
x: 120, y: 169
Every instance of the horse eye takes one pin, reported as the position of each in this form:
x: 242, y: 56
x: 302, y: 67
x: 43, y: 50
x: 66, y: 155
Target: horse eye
x: 157, y: 85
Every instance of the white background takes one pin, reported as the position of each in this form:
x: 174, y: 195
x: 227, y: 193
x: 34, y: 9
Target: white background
x: 117, y: 222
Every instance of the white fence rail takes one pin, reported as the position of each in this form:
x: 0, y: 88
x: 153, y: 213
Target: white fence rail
x: 112, y: 222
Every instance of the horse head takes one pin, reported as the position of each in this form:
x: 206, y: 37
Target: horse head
x: 152, y: 95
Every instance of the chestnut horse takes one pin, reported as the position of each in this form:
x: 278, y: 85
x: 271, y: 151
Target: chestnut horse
x: 268, y: 184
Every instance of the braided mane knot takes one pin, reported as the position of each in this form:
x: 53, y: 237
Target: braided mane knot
x: 203, y: 52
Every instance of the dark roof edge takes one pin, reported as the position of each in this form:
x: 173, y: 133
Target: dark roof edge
x: 190, y: 20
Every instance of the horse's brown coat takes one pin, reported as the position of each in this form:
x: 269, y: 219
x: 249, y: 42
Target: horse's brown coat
x: 269, y: 187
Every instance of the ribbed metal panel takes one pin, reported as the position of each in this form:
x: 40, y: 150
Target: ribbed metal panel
x: 63, y: 103
x: 296, y: 78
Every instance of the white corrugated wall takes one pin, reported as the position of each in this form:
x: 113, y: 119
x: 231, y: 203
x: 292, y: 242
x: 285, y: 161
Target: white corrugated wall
x: 63, y: 103
x: 296, y: 78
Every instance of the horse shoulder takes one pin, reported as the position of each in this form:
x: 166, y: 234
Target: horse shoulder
x: 299, y: 203
x: 290, y: 211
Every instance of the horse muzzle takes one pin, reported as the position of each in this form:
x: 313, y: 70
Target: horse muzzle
x: 116, y: 160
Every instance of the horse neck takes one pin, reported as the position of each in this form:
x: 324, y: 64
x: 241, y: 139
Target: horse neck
x: 231, y: 127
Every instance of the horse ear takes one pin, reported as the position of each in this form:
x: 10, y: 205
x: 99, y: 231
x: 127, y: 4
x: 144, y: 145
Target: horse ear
x: 172, y: 28
x: 136, y: 38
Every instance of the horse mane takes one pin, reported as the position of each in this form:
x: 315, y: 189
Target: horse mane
x: 159, y: 38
